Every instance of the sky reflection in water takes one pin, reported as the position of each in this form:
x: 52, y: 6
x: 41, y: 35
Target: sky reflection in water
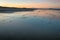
x: 35, y: 24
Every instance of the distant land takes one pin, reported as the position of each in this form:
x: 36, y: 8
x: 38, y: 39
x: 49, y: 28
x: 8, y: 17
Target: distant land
x: 14, y: 9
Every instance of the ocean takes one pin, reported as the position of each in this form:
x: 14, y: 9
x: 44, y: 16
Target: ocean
x: 30, y: 25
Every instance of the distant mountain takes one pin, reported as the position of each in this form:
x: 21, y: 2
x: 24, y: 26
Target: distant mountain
x: 49, y: 8
x: 14, y: 9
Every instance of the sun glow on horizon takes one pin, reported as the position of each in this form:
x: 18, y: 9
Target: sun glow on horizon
x: 31, y: 5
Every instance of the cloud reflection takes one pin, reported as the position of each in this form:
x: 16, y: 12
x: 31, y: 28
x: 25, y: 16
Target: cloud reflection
x: 37, y: 13
x: 31, y: 25
x: 44, y: 13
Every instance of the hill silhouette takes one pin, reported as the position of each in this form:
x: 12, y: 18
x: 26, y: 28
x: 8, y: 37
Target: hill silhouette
x: 14, y: 9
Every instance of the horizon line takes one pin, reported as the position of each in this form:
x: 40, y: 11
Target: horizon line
x: 21, y: 7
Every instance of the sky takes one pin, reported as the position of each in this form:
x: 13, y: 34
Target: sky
x: 31, y: 3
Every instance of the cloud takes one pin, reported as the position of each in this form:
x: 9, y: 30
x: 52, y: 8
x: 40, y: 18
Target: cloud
x: 54, y: 0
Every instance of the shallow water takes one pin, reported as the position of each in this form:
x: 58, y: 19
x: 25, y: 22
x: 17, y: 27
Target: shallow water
x: 38, y: 24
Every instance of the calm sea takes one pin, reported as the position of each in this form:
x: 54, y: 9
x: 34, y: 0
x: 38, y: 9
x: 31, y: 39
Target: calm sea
x: 30, y: 25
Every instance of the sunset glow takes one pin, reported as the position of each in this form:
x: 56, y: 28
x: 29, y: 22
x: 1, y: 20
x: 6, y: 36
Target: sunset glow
x: 31, y: 3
